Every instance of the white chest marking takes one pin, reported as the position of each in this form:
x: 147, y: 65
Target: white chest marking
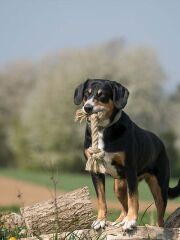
x: 110, y: 169
x: 100, y: 140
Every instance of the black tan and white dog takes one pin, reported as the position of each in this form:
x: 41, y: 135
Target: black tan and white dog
x: 131, y: 154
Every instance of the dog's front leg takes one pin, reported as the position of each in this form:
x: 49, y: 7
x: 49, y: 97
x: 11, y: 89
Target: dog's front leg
x: 99, y: 184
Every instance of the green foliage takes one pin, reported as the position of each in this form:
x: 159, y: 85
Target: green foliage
x: 8, y: 209
x: 36, y: 102
x: 169, y: 139
x: 11, y: 230
x: 11, y: 233
x: 6, y: 153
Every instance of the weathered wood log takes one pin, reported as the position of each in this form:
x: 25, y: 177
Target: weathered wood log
x: 116, y: 233
x: 64, y: 213
x: 173, y: 221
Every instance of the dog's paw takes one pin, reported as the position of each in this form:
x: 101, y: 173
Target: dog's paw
x: 128, y: 224
x: 99, y: 223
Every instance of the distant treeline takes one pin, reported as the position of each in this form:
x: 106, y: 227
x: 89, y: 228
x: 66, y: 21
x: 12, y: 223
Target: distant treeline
x: 37, y: 129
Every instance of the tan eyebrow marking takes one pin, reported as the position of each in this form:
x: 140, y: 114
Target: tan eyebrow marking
x: 99, y: 91
x: 89, y: 90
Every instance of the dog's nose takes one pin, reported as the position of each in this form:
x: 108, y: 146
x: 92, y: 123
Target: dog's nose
x: 88, y: 108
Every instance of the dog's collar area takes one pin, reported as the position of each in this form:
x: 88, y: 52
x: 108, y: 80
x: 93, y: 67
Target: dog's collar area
x: 115, y: 120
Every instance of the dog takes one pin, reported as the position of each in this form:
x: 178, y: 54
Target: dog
x: 131, y: 154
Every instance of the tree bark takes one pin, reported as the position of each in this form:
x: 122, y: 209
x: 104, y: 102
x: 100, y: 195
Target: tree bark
x: 116, y: 233
x: 64, y: 213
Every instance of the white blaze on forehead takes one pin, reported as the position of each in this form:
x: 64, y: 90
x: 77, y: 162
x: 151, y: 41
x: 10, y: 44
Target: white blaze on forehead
x: 90, y: 101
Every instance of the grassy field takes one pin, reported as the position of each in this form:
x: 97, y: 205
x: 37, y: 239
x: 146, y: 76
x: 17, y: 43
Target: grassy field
x: 68, y: 182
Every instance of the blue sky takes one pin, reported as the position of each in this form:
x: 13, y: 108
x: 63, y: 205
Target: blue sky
x: 34, y: 28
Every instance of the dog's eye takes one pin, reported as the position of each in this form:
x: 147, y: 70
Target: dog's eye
x: 102, y: 98
x: 86, y: 95
x: 85, y: 98
x: 99, y: 94
x: 89, y: 91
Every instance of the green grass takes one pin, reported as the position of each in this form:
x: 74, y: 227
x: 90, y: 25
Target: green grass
x: 10, y: 208
x: 69, y: 181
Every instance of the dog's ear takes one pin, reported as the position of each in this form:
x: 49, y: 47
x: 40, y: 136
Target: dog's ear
x: 120, y: 95
x: 79, y: 93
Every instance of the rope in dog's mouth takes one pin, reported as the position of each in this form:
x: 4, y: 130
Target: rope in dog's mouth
x: 82, y: 115
x: 95, y: 162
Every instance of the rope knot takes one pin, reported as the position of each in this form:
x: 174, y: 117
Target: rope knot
x: 96, y: 153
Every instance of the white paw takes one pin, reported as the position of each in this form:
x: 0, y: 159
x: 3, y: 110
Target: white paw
x: 129, y: 224
x: 97, y: 224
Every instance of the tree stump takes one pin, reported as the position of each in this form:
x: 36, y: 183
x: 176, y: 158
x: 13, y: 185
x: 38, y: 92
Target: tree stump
x: 65, y: 213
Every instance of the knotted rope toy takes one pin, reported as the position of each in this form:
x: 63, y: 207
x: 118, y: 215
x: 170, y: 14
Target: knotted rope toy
x: 95, y: 162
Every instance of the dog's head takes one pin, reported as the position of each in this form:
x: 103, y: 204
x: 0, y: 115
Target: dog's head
x: 101, y: 95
